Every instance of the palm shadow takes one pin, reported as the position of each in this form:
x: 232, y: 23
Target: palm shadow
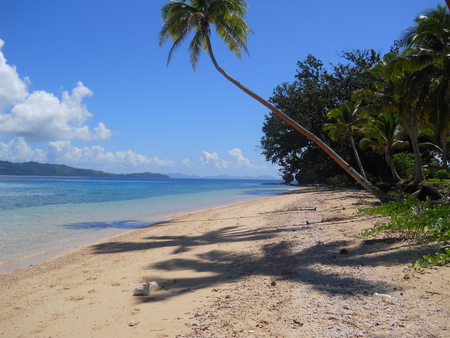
x: 313, y: 266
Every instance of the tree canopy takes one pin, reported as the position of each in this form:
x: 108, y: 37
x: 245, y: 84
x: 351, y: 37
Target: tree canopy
x: 408, y: 89
x: 315, y: 91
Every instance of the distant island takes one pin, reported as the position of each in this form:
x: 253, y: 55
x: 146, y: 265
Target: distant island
x: 46, y: 169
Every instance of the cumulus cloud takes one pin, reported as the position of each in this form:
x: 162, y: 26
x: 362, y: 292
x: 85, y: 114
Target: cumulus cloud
x: 65, y: 152
x: 236, y: 160
x: 210, y: 160
x: 43, y: 117
x: 40, y: 116
x: 87, y: 157
x: 18, y: 151
x: 12, y: 88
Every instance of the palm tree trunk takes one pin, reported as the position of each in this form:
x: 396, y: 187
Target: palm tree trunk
x: 378, y: 193
x: 358, y: 160
x: 390, y: 163
x: 413, y: 135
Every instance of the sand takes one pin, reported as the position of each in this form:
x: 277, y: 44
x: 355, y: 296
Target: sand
x: 272, y: 267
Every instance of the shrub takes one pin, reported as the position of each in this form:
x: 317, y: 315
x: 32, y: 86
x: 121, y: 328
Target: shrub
x: 416, y: 220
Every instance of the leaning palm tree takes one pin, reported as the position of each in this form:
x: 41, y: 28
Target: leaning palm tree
x: 347, y: 121
x: 180, y: 18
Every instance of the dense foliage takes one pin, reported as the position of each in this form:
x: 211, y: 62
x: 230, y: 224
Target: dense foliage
x: 308, y: 99
x: 400, y: 104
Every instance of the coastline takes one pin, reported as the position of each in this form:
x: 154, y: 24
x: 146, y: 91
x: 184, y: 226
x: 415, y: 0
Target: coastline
x: 262, y: 268
x: 82, y: 225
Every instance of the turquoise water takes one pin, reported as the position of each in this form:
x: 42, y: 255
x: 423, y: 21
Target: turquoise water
x: 41, y: 214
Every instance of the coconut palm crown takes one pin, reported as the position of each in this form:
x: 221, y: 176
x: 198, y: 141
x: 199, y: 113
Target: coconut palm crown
x: 183, y: 17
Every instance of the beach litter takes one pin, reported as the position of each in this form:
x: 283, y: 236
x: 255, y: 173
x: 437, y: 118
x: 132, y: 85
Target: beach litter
x: 383, y: 297
x: 146, y: 288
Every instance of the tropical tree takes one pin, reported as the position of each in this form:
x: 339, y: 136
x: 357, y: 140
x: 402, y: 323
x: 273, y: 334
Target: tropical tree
x: 399, y: 91
x: 180, y: 18
x: 307, y: 100
x: 347, y: 122
x: 383, y: 135
x: 428, y: 44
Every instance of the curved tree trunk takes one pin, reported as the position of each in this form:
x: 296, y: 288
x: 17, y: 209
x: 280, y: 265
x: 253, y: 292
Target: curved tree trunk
x: 378, y: 193
x: 358, y: 160
x: 390, y: 163
x: 413, y: 135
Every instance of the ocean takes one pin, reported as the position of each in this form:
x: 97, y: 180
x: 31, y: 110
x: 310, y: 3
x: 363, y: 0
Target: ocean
x: 41, y: 216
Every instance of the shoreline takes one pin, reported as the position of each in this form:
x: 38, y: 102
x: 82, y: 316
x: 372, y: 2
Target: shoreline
x: 263, y: 268
x: 54, y: 249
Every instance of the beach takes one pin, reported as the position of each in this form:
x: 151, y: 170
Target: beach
x: 290, y: 265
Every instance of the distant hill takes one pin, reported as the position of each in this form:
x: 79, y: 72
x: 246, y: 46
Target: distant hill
x: 46, y: 169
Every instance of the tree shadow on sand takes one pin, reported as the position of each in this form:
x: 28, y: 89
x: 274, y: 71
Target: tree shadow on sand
x: 314, y: 266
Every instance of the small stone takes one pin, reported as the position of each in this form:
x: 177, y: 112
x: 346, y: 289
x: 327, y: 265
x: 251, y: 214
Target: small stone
x: 296, y: 322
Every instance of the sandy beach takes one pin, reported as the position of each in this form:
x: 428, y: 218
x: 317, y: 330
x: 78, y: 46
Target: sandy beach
x: 291, y: 265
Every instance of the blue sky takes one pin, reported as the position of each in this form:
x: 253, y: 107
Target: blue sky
x: 84, y: 83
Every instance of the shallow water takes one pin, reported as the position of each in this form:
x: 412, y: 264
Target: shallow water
x: 41, y: 214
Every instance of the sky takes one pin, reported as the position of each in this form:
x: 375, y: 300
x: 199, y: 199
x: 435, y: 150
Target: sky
x: 85, y: 83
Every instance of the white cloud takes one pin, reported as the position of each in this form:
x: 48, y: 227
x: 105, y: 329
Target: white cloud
x: 236, y: 160
x: 41, y: 116
x: 86, y: 157
x: 12, y: 88
x: 18, y: 151
x: 210, y: 160
x: 94, y: 156
x: 186, y: 163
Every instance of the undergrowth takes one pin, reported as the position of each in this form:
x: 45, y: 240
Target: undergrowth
x: 416, y: 221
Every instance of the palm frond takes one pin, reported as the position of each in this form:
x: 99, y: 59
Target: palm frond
x: 180, y: 18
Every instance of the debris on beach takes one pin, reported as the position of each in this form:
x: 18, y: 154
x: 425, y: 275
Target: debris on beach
x: 383, y: 297
x: 146, y: 288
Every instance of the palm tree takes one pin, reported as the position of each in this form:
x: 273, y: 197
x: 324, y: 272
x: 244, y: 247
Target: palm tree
x: 411, y: 92
x: 429, y: 54
x: 347, y: 123
x: 180, y: 18
x: 382, y: 135
x: 398, y: 91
